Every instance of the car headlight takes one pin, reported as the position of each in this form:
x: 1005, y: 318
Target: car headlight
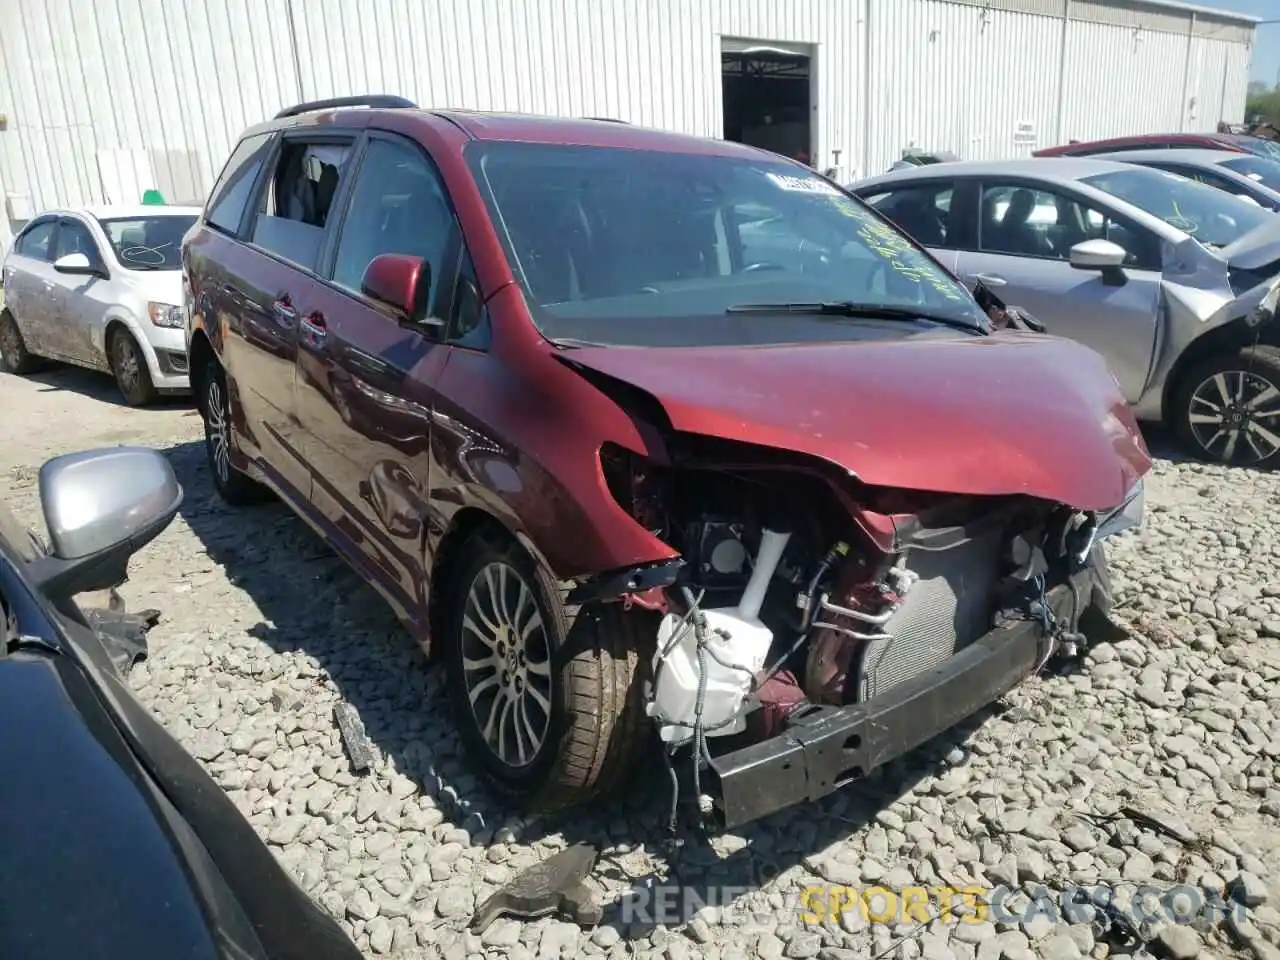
x: 165, y: 314
x: 1124, y: 517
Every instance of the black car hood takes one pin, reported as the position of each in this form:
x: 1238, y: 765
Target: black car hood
x: 91, y: 870
x: 1256, y: 249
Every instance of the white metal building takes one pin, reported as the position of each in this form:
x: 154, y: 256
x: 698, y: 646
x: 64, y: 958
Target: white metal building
x: 101, y: 100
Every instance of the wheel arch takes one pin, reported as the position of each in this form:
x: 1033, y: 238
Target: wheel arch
x: 463, y: 525
x: 199, y: 352
x: 1227, y: 338
x: 115, y: 321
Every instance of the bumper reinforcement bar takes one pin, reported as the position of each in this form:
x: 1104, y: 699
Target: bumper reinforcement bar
x: 828, y: 747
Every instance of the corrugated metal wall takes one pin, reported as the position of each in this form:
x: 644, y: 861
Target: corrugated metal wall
x: 948, y: 76
x: 106, y: 98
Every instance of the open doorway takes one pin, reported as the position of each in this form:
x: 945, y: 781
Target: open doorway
x: 768, y: 97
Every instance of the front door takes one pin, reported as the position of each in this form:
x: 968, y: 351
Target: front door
x: 81, y: 299
x: 1025, y: 234
x: 367, y: 378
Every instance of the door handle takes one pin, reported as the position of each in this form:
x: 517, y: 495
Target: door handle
x: 284, y: 310
x: 314, y: 329
x: 990, y: 279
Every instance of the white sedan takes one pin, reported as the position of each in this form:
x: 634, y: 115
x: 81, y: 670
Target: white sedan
x: 100, y: 288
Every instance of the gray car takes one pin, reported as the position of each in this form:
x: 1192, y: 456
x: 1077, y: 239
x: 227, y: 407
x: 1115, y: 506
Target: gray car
x: 1175, y: 283
x: 1241, y: 174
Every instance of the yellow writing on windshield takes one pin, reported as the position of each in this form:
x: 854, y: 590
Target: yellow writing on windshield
x: 897, y: 251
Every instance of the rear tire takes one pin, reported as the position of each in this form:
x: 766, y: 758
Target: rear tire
x: 129, y: 366
x: 1226, y: 408
x: 14, y: 355
x: 234, y: 487
x: 544, y: 738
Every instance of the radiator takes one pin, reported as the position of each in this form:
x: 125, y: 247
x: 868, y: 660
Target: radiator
x: 948, y: 607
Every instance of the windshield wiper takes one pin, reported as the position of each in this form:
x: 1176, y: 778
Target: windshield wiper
x: 850, y: 308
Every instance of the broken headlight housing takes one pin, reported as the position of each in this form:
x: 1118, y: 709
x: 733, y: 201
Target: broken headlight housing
x: 1268, y: 309
x: 1124, y: 517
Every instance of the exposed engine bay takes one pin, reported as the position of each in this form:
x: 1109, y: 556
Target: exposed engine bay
x: 792, y: 596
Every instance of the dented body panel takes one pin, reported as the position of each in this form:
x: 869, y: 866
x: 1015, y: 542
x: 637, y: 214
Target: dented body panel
x: 1005, y: 414
x: 1175, y: 302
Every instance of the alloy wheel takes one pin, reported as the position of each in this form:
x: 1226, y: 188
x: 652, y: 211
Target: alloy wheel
x: 216, y: 429
x: 127, y: 369
x: 1235, y: 417
x: 506, y: 664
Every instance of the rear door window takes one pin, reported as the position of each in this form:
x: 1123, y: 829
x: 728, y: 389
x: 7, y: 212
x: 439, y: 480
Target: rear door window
x: 36, y: 241
x: 298, y: 198
x: 923, y: 211
x: 231, y: 194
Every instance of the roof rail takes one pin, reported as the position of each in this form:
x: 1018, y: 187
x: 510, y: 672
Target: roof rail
x: 606, y: 119
x: 368, y: 100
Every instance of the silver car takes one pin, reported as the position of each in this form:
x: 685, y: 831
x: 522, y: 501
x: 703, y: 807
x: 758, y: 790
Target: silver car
x: 1241, y: 174
x: 1174, y: 282
x: 100, y: 288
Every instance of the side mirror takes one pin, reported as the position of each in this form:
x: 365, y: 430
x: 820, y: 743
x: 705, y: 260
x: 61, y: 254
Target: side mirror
x: 1100, y: 255
x: 101, y: 507
x: 76, y: 263
x: 402, y: 283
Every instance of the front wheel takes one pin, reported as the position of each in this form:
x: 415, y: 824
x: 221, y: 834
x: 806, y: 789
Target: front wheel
x: 547, y: 734
x: 215, y: 404
x: 1227, y: 408
x: 133, y: 378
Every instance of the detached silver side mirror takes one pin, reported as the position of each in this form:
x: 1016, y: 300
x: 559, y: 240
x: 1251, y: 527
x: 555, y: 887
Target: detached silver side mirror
x: 101, y: 507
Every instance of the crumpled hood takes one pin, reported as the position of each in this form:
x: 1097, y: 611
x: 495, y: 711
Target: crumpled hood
x: 1010, y: 413
x: 1255, y: 249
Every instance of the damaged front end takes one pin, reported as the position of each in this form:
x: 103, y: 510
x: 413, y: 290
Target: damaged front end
x: 814, y: 628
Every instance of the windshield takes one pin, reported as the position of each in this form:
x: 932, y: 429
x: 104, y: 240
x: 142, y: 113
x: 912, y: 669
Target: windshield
x: 1212, y: 216
x: 1264, y: 171
x: 1260, y: 147
x: 607, y: 241
x: 148, y: 243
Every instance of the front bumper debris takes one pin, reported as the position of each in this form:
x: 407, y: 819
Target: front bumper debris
x: 828, y: 747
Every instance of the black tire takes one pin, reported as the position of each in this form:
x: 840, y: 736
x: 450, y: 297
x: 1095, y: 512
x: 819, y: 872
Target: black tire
x: 1244, y: 375
x: 14, y: 355
x: 596, y: 725
x: 233, y: 486
x: 129, y: 367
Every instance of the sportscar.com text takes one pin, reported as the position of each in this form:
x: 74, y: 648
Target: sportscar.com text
x: 820, y: 904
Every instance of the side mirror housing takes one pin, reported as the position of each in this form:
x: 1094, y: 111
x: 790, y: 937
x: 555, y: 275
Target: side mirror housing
x: 76, y: 263
x: 1102, y: 255
x: 101, y: 507
x: 401, y: 283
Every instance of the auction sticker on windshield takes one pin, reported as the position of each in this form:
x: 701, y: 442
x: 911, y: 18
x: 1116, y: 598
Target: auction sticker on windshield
x: 798, y: 184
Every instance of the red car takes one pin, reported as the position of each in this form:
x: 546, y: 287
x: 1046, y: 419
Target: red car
x: 652, y: 439
x: 1154, y: 141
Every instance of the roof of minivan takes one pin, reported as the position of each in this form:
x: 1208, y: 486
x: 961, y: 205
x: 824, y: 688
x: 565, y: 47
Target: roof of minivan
x: 538, y: 128
x: 532, y: 128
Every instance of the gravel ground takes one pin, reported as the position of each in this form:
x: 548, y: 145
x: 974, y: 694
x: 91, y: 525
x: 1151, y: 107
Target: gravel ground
x: 264, y: 632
